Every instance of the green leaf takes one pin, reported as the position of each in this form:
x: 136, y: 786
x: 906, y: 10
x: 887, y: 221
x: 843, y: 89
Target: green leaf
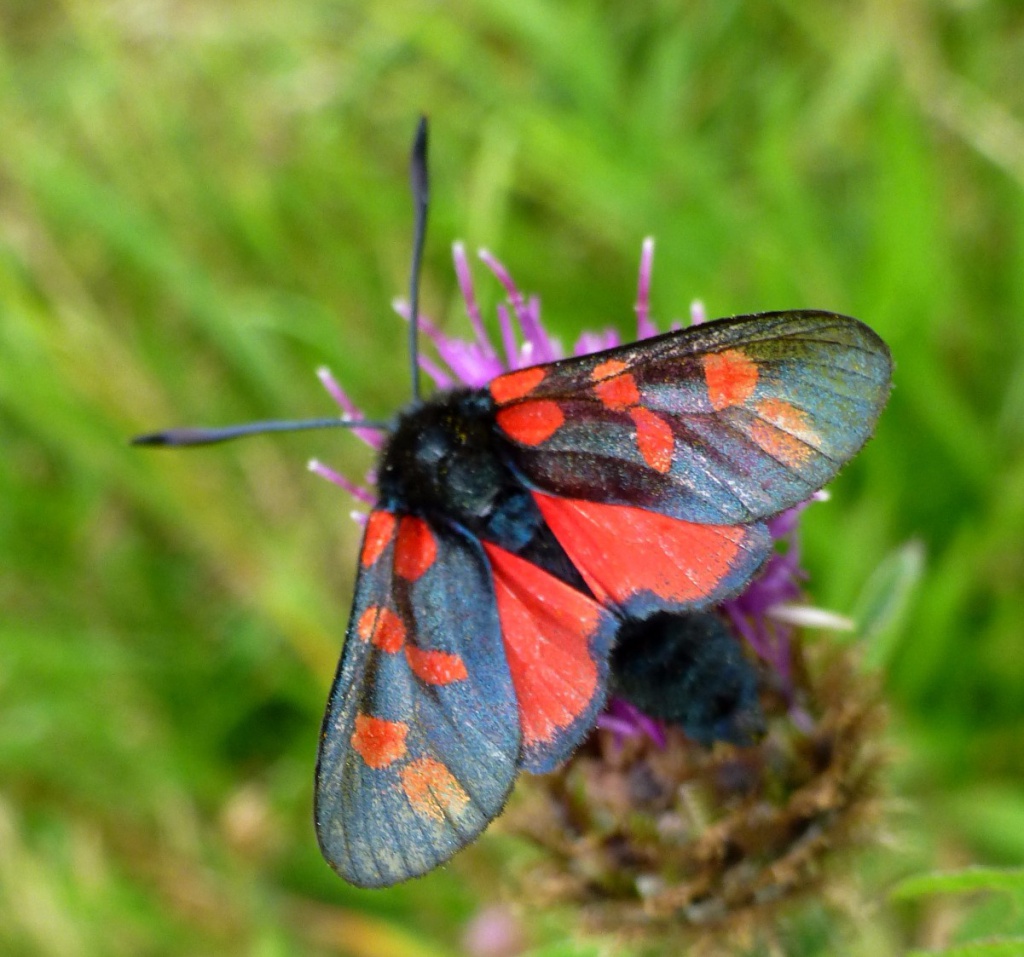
x: 996, y: 947
x: 882, y: 605
x: 968, y: 880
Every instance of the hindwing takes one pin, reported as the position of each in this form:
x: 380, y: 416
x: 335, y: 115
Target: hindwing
x: 557, y: 641
x: 642, y: 561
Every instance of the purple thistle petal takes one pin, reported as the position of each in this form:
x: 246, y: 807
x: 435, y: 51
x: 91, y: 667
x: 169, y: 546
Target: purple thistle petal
x: 371, y: 437
x: 644, y: 327
x: 465, y: 279
x: 325, y: 472
x: 590, y: 342
x: 785, y: 523
x: 439, y: 377
x: 697, y: 313
x: 469, y: 363
x: 746, y: 630
x: 624, y: 720
x: 782, y: 658
x: 607, y: 720
x: 541, y: 348
x: 546, y: 347
x: 508, y: 337
x: 504, y: 277
x: 777, y: 584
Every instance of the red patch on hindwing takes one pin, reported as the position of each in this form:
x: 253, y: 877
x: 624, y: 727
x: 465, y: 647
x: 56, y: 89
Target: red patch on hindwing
x: 379, y: 742
x: 432, y: 790
x: 531, y: 423
x: 731, y: 377
x: 380, y: 527
x: 516, y: 385
x: 436, y: 667
x: 623, y: 551
x: 547, y: 628
x: 415, y: 550
x: 383, y: 627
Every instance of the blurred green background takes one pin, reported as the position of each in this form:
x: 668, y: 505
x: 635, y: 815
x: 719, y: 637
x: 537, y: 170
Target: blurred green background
x: 200, y: 202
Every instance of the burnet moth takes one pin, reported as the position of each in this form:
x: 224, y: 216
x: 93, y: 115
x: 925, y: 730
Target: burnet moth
x: 527, y: 531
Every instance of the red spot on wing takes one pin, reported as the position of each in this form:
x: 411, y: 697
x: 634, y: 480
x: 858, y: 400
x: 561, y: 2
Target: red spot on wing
x: 379, y: 742
x: 432, y: 789
x: 785, y: 415
x: 546, y: 627
x: 731, y: 377
x: 608, y: 369
x: 654, y: 438
x: 531, y: 422
x: 380, y: 527
x: 785, y: 434
x: 618, y: 393
x: 615, y: 387
x: 780, y: 445
x: 435, y: 667
x: 383, y: 627
x: 415, y: 549
x: 515, y: 385
x: 788, y: 417
x: 622, y: 551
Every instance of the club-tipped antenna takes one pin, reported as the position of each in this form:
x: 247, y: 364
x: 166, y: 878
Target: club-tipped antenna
x: 420, y: 181
x: 183, y: 438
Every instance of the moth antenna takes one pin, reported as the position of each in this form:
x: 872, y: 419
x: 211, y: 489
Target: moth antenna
x: 420, y: 182
x: 419, y: 179
x: 185, y: 437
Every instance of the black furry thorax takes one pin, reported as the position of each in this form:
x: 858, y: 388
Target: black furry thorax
x: 443, y: 459
x: 447, y: 461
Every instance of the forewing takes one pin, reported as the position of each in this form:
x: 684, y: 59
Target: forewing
x: 420, y: 741
x: 728, y: 422
x: 557, y: 641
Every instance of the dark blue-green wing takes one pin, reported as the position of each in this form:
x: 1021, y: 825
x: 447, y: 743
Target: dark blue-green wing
x: 722, y: 423
x: 421, y: 738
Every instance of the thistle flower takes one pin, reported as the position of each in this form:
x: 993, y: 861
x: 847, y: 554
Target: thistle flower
x: 646, y: 829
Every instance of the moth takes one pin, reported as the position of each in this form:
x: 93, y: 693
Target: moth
x: 526, y: 531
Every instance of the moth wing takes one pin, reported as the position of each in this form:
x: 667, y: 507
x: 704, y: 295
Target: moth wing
x: 727, y: 422
x: 421, y: 739
x: 557, y: 640
x: 643, y: 561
